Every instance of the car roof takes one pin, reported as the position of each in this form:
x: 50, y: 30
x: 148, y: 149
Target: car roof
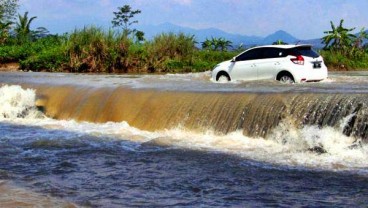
x: 283, y: 46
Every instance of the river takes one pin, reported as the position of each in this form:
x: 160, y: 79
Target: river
x: 70, y: 140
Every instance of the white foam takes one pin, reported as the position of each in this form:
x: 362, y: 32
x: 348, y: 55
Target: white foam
x: 284, y: 147
x: 17, y: 102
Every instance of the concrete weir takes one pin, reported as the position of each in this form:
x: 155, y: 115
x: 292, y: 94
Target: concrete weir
x: 255, y: 114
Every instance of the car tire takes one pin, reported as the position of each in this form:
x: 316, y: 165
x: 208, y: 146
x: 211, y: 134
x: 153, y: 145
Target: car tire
x: 286, y: 79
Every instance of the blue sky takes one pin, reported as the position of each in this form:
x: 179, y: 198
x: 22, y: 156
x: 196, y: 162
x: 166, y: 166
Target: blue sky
x: 304, y: 19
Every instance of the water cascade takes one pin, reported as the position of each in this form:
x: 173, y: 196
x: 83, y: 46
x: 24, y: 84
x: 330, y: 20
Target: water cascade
x: 255, y: 114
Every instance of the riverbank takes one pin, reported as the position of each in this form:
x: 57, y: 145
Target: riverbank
x: 9, y: 67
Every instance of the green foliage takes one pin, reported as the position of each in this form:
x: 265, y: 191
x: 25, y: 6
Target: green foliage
x: 344, y: 50
x: 339, y: 61
x: 87, y: 48
x: 23, y: 28
x: 169, y: 47
x: 14, y: 53
x: 23, y: 32
x: 215, y: 44
x: 92, y: 49
x: 279, y: 42
x: 338, y: 38
x: 139, y: 35
x: 95, y: 50
x: 47, y: 60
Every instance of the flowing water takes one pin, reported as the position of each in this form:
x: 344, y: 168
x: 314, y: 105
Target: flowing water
x: 181, y: 140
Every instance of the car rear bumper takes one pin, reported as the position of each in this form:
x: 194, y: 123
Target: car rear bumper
x: 311, y: 75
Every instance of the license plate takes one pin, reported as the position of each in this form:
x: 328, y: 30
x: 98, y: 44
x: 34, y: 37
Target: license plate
x: 317, y: 65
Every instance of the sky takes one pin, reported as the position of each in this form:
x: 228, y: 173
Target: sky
x: 304, y: 19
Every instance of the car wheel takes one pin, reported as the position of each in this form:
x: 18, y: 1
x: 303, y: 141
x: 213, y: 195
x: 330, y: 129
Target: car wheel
x: 286, y: 79
x: 223, y: 78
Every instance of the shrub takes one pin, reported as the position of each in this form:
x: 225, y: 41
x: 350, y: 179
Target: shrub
x: 337, y: 61
x: 47, y: 60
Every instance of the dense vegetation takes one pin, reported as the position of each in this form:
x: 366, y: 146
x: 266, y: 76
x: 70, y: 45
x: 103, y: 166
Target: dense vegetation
x: 344, y: 50
x: 124, y: 49
x: 92, y: 49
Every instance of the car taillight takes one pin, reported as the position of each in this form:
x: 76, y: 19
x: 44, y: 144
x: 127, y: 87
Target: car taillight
x: 298, y: 60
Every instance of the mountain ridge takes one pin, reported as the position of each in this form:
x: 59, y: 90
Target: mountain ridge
x: 237, y: 39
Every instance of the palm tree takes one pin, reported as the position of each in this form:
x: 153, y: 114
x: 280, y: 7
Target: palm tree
x: 224, y: 44
x: 339, y: 37
x: 215, y: 43
x: 22, y: 29
x: 207, y: 44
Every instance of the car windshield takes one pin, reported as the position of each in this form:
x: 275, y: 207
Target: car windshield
x: 305, y: 51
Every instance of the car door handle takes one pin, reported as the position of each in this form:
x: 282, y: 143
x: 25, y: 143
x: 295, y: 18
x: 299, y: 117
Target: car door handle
x: 277, y: 63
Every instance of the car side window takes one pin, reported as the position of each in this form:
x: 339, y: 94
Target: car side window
x: 249, y: 55
x: 274, y: 53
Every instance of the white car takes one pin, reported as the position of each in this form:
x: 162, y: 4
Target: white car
x: 285, y: 63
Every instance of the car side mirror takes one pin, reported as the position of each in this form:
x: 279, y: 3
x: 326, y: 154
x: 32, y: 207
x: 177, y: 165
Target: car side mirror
x: 233, y: 59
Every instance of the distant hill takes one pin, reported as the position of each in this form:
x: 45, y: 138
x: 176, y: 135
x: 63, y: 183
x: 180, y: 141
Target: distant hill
x: 201, y: 35
x: 280, y: 35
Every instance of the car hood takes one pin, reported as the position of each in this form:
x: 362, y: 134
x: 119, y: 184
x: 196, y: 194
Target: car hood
x: 224, y: 63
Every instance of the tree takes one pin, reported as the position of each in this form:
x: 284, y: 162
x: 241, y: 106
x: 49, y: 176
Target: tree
x: 216, y: 44
x: 23, y: 30
x: 8, y: 9
x: 123, y: 18
x: 279, y: 42
x: 338, y: 37
x: 207, y: 44
x: 140, y: 36
x: 224, y: 44
x: 23, y: 27
x: 363, y: 35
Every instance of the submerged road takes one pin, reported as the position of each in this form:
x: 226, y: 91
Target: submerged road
x: 338, y: 82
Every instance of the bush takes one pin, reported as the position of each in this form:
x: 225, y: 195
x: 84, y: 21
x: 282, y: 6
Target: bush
x: 15, y: 53
x: 337, y: 61
x: 47, y: 60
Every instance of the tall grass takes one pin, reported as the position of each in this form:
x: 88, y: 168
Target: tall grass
x: 89, y: 50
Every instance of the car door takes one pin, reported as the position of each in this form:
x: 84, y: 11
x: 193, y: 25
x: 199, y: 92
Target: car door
x: 271, y: 63
x: 244, y: 66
